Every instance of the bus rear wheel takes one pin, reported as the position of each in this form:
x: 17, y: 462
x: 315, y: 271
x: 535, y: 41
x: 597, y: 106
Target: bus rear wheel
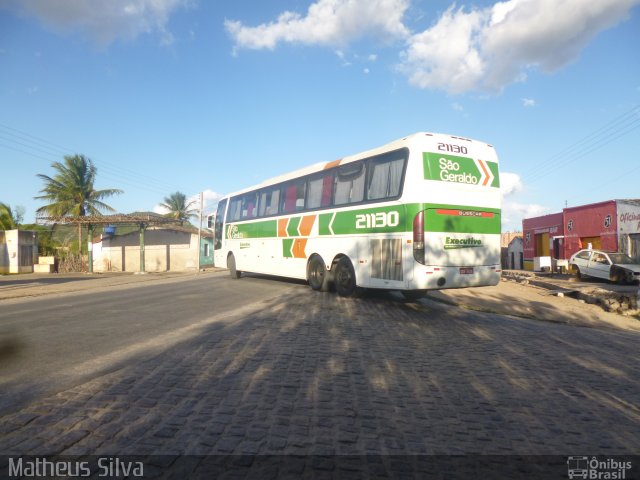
x: 231, y: 265
x: 317, y: 274
x: 345, y: 277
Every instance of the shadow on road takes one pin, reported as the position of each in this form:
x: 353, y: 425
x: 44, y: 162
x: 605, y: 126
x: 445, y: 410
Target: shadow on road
x: 314, y: 373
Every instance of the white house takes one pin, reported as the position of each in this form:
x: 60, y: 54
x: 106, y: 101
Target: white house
x: 18, y: 249
x: 515, y: 254
x: 165, y: 249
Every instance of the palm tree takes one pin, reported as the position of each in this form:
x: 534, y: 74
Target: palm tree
x: 10, y: 220
x: 71, y: 193
x: 178, y: 207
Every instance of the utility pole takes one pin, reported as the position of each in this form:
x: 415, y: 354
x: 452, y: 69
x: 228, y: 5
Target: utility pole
x: 200, y: 231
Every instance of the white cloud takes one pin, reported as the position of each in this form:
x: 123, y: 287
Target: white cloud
x: 528, y: 102
x: 102, y: 21
x: 487, y: 49
x: 513, y: 211
x: 510, y: 183
x: 210, y: 199
x: 328, y: 23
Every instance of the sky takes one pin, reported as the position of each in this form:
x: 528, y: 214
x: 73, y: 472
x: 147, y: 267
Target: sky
x: 198, y: 96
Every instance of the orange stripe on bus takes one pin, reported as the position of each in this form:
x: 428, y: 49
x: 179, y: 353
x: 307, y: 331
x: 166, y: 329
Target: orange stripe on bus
x: 306, y: 224
x: 282, y: 227
x: 464, y: 213
x: 448, y: 212
x: 335, y: 163
x: 299, y: 244
x: 487, y: 174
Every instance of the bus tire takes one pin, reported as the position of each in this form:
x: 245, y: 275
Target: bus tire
x: 413, y: 295
x: 345, y: 277
x: 231, y: 265
x: 317, y: 274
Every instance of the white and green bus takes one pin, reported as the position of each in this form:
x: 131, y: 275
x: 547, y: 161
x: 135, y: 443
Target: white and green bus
x: 417, y: 214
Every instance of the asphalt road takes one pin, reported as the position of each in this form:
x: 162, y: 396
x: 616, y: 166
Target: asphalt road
x: 48, y: 344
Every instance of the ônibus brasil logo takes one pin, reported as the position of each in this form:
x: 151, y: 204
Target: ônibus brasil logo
x: 454, y: 243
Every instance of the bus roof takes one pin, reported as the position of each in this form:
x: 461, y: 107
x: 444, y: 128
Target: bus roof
x: 317, y: 167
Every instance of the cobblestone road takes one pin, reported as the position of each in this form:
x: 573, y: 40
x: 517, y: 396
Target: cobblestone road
x: 317, y: 374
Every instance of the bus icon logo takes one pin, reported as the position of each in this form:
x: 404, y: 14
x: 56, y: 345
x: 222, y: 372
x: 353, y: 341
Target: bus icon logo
x: 578, y: 467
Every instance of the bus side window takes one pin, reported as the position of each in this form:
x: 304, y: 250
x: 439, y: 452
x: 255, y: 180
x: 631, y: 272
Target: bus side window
x: 269, y: 200
x: 327, y: 191
x: 349, y: 184
x: 290, y: 199
x: 319, y: 191
x: 385, y: 178
x: 248, y: 205
x: 272, y: 207
x: 233, y: 214
x: 294, y: 197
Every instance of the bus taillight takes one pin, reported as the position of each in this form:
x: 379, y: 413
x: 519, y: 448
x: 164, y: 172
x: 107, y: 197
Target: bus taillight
x: 418, y: 237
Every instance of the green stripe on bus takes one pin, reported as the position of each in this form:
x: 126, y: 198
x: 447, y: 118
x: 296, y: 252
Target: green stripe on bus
x: 264, y: 229
x: 448, y: 223
x: 389, y: 219
x: 493, y: 166
x: 292, y: 228
x: 371, y: 220
x: 287, y: 243
x: 324, y: 220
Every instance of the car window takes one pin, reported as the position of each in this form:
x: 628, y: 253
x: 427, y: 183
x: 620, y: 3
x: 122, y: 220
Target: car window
x: 600, y: 258
x: 583, y: 255
x: 621, y: 259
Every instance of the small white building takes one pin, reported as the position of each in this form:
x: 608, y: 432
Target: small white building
x: 515, y: 254
x: 18, y: 251
x: 165, y: 249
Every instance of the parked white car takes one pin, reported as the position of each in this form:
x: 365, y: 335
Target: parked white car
x: 616, y: 267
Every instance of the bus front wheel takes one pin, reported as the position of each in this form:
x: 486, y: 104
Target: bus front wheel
x: 345, y: 277
x: 317, y: 274
x: 231, y: 265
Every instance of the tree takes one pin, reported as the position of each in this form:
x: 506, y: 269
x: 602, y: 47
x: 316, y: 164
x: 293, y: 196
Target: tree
x: 10, y: 219
x: 71, y: 192
x: 178, y: 207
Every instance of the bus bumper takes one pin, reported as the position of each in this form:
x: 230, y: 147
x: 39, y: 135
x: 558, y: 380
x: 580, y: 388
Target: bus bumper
x: 436, y: 278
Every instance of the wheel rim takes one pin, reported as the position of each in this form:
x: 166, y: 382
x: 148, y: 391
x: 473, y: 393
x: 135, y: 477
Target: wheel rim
x: 344, y: 277
x: 316, y: 274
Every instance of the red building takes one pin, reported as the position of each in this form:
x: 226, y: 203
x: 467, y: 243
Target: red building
x: 594, y: 224
x: 613, y: 226
x: 542, y: 236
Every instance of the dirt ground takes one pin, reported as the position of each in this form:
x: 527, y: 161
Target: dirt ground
x: 528, y: 301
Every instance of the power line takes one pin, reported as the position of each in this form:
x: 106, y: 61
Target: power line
x: 38, y: 146
x: 623, y: 125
